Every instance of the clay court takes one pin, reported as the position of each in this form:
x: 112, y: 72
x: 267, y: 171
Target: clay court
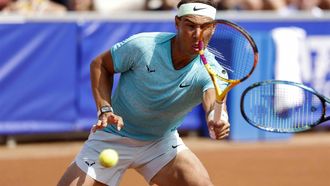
x: 303, y: 160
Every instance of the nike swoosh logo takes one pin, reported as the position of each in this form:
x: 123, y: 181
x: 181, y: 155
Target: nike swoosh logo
x: 175, y: 146
x: 150, y: 70
x: 197, y: 9
x: 183, y: 85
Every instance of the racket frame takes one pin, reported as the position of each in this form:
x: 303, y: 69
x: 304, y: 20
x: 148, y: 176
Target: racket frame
x: 324, y: 100
x: 220, y: 95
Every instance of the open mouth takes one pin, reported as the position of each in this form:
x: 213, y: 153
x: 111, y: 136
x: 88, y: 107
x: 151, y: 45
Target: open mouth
x: 195, y: 47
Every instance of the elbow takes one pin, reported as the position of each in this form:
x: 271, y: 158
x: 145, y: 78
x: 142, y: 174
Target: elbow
x: 95, y: 64
x: 102, y: 63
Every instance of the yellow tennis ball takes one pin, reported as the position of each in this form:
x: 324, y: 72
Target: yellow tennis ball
x: 108, y: 158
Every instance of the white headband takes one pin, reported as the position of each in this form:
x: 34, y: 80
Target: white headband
x: 197, y: 9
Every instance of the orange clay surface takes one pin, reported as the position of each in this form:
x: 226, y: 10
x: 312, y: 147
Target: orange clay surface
x: 303, y: 160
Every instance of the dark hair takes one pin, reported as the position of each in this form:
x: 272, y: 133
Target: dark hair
x: 208, y: 2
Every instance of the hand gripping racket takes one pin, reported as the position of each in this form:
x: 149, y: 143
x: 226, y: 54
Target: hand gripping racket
x: 283, y: 106
x: 236, y: 52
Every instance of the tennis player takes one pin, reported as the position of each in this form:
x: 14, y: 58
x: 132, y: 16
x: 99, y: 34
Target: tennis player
x: 162, y: 79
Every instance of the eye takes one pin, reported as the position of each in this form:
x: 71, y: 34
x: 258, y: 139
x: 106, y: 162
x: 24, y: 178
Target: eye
x: 207, y: 26
x: 190, y: 26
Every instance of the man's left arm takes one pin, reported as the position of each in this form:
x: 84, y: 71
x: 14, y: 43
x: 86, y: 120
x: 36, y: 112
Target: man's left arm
x: 221, y: 128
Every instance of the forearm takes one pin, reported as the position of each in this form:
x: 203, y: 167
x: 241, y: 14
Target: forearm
x: 209, y: 99
x: 101, y: 82
x: 208, y: 103
x: 101, y: 74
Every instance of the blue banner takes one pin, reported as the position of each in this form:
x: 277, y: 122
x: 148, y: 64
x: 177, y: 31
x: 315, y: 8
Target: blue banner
x: 38, y: 67
x: 44, y: 72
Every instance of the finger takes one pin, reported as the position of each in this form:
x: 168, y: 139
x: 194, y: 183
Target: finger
x: 117, y: 120
x: 104, y: 122
x: 219, y: 129
x: 222, y: 136
x: 211, y: 132
x: 211, y: 127
x: 98, y: 123
x: 120, y: 124
x: 222, y: 133
x: 96, y: 126
x: 222, y: 126
x: 112, y: 118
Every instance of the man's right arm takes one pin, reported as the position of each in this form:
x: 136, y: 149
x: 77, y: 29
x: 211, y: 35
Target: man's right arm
x: 101, y: 74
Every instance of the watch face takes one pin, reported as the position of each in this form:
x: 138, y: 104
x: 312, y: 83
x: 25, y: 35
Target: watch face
x: 106, y: 109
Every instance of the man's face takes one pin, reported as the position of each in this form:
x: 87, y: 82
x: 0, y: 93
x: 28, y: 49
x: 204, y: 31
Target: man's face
x: 190, y: 28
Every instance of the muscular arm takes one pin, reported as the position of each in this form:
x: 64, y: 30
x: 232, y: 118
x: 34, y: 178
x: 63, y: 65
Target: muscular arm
x: 101, y: 74
x: 220, y: 128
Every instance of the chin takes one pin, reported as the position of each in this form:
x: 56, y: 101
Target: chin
x: 195, y: 52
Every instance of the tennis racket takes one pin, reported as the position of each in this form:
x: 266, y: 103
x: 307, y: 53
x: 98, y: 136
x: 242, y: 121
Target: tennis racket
x: 236, y: 52
x: 283, y: 106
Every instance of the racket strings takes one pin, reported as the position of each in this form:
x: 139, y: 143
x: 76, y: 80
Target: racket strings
x: 282, y: 108
x: 220, y: 58
x: 233, y: 51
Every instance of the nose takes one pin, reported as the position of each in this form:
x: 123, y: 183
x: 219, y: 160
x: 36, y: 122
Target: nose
x: 197, y: 32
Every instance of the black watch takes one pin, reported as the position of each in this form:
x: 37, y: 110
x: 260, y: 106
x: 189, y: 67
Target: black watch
x: 104, y: 109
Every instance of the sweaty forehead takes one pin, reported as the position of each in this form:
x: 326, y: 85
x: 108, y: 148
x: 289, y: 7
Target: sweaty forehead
x: 196, y: 19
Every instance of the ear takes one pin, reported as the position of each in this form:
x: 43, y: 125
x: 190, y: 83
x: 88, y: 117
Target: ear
x: 177, y: 22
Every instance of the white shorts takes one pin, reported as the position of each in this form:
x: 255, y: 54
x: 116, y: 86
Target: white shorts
x: 147, y: 157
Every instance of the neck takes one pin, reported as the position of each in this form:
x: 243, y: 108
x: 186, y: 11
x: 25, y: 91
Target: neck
x: 179, y: 58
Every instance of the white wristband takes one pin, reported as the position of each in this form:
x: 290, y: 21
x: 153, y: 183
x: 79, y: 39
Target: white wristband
x: 211, y: 115
x: 224, y: 115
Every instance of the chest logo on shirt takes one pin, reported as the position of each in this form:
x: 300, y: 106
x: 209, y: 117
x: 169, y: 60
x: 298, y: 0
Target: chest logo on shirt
x: 184, y: 84
x: 149, y: 69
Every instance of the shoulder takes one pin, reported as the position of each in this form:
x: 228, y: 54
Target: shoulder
x: 150, y: 37
x: 145, y: 41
